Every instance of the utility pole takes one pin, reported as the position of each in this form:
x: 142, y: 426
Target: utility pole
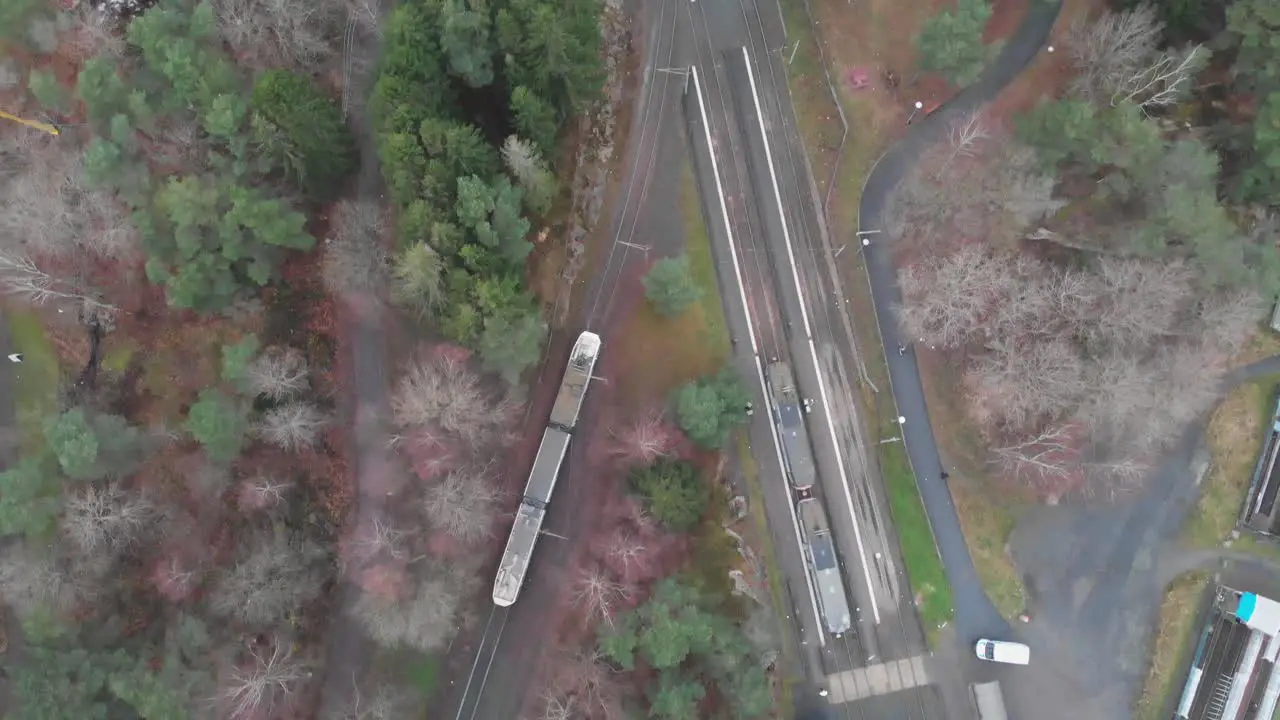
x: 635, y: 246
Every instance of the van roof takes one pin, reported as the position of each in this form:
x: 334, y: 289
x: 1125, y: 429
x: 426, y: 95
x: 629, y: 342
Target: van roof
x: 1011, y: 652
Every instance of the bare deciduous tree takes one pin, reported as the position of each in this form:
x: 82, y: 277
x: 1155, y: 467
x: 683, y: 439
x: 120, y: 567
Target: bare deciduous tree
x: 1019, y: 386
x: 441, y: 391
x: 1165, y: 81
x: 94, y: 32
x: 1118, y: 59
x: 43, y: 580
x: 583, y: 679
x: 644, y: 439
x: 273, y: 33
x: 21, y: 278
x: 557, y: 707
x: 1073, y: 295
x: 1138, y: 301
x: 367, y: 15
x: 46, y: 209
x: 354, y: 259
x: 981, y: 190
x: 175, y: 577
x: 463, y: 504
x: 626, y: 552
x: 277, y: 576
x: 426, y: 620
x: 945, y: 300
x: 1121, y: 395
x: 262, y: 492
x: 1185, y: 386
x: 965, y: 138
x: 1228, y: 320
x: 383, y: 703
x: 107, y: 518
x: 279, y: 373
x: 1049, y: 460
x: 1111, y: 478
x: 1110, y: 48
x: 260, y: 686
x: 598, y: 595
x: 377, y: 538
x: 1028, y: 307
x: 295, y: 426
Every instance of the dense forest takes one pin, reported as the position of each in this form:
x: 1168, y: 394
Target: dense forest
x: 180, y: 209
x: 1094, y: 264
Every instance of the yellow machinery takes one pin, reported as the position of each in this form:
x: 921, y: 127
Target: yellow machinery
x: 42, y: 127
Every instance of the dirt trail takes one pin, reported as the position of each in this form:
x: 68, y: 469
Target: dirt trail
x: 368, y: 411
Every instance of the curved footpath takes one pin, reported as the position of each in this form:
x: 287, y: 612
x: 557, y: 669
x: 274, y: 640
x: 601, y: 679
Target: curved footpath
x: 974, y: 614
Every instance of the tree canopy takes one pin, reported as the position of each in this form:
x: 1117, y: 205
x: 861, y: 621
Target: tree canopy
x: 302, y: 132
x: 709, y: 408
x: 950, y: 42
x: 670, y: 286
x: 1164, y: 191
x: 675, y: 633
x: 457, y: 83
x: 219, y: 423
x: 674, y: 491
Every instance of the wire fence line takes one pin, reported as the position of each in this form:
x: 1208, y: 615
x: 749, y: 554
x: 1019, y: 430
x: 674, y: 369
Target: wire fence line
x: 835, y: 100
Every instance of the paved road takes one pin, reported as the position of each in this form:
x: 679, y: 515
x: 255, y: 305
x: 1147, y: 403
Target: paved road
x: 974, y: 614
x: 1097, y: 574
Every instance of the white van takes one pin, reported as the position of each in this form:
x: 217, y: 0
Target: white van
x: 1002, y: 651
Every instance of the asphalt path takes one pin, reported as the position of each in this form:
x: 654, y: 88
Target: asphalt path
x: 975, y: 616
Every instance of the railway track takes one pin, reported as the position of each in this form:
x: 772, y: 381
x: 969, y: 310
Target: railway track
x: 480, y: 666
x: 601, y: 299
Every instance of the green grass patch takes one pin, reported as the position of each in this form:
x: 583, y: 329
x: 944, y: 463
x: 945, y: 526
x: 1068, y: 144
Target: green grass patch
x: 987, y: 519
x: 816, y: 112
x: 414, y: 674
x: 118, y: 356
x: 1175, y: 637
x: 703, y: 265
x: 773, y: 573
x: 36, y: 380
x: 915, y: 536
x: 1235, y: 438
x: 424, y: 674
